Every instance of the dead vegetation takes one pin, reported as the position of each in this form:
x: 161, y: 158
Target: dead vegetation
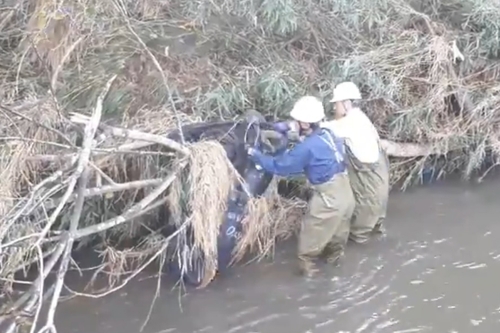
x: 429, y: 72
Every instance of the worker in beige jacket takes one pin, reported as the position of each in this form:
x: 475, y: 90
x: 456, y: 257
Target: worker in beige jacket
x: 368, y: 166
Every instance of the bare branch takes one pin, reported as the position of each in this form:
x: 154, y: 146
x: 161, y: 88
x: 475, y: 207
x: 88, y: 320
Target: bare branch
x: 134, y: 134
x: 90, y: 131
x: 132, y: 212
x: 82, y: 174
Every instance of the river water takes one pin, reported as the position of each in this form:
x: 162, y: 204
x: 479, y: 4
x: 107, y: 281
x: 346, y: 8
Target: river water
x: 437, y: 270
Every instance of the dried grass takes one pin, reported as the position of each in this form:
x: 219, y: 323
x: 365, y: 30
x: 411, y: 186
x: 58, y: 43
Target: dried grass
x: 201, y: 196
x: 270, y: 218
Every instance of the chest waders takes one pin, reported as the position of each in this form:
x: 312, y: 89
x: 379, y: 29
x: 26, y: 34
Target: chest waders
x: 325, y: 226
x: 370, y: 184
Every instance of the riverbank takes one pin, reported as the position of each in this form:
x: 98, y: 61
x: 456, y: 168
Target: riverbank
x: 434, y: 272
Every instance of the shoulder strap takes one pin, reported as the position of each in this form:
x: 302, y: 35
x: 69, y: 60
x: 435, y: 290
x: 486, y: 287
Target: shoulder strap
x: 329, y: 140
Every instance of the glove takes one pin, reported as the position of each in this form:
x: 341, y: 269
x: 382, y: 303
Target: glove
x: 281, y: 127
x: 250, y: 151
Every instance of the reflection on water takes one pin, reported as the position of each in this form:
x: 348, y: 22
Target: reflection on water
x: 436, y: 271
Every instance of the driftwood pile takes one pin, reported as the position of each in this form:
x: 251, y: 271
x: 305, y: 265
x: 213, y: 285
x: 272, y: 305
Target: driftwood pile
x: 51, y: 243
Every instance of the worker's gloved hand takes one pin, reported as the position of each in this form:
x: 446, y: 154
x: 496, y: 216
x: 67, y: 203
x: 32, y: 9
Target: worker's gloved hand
x: 250, y: 150
x: 281, y: 127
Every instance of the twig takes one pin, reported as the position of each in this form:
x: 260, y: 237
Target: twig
x: 135, y: 145
x: 59, y: 133
x: 18, y: 240
x: 56, y: 175
x: 16, y: 281
x: 137, y: 135
x: 123, y: 11
x: 55, y: 75
x: 157, y: 291
x: 481, y: 179
x: 16, y: 138
x: 102, y: 173
x: 140, y: 269
x: 31, y: 293
x: 102, y: 151
x: 40, y: 296
x: 46, y: 254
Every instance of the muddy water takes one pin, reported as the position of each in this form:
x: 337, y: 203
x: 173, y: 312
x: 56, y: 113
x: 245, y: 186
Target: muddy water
x: 437, y: 270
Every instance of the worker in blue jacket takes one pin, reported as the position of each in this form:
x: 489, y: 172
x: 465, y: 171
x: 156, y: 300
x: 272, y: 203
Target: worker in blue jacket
x: 321, y: 157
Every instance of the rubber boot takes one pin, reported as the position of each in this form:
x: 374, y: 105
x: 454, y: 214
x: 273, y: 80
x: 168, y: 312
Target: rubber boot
x: 379, y: 229
x: 307, y: 267
x: 333, y: 253
x: 359, y: 240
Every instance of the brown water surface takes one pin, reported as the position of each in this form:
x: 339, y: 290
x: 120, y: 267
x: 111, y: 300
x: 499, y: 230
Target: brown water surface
x: 437, y: 270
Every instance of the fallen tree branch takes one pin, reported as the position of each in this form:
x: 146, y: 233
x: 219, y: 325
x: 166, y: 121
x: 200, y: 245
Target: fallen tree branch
x: 82, y: 174
x: 63, y: 267
x: 137, y: 135
x: 99, y: 152
x: 90, y: 131
x: 132, y: 212
x: 134, y: 134
x: 148, y: 209
x: 91, y: 192
x: 400, y: 149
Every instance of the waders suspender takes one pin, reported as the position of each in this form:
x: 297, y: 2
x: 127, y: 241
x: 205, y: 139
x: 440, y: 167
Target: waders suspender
x: 338, y: 157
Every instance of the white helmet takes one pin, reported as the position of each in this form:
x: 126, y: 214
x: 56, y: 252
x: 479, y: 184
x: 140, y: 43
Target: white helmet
x: 345, y: 91
x: 308, y: 109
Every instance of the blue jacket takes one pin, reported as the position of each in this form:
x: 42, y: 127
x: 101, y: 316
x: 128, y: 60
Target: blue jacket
x: 320, y: 156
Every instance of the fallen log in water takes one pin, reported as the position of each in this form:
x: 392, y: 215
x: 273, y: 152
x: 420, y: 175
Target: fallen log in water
x: 399, y: 149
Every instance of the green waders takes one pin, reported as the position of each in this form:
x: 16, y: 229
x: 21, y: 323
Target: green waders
x: 370, y: 184
x: 325, y: 227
